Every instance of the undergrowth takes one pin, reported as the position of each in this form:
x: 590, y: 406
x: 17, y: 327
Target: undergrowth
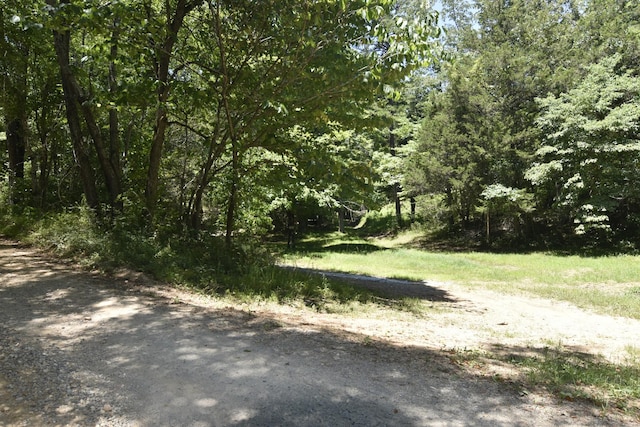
x: 248, y: 272
x: 202, y: 262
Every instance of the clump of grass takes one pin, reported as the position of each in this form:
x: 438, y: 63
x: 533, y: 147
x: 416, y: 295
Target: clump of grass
x: 288, y: 286
x: 569, y: 375
x: 572, y: 375
x: 608, y: 285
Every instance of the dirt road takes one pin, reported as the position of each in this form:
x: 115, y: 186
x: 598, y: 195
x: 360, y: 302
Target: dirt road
x: 82, y: 349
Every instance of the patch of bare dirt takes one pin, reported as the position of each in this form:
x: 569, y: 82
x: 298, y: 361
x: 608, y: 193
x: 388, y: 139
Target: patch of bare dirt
x: 464, y: 318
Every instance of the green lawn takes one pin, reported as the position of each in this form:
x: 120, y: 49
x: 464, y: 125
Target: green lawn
x: 608, y: 284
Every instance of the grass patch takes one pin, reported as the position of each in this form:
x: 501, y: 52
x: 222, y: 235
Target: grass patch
x: 573, y: 375
x: 290, y: 287
x: 567, y: 374
x: 607, y: 284
x: 202, y: 263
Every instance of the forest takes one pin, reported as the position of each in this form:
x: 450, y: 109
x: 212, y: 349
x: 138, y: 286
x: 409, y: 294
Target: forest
x: 513, y: 124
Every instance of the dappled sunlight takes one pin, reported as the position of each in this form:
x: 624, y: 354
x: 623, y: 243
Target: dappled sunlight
x: 205, y: 403
x: 114, y: 309
x: 167, y: 363
x: 57, y: 294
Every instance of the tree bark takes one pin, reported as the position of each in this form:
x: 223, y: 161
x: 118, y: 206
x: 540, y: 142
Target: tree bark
x: 233, y: 198
x: 164, y: 53
x: 74, y: 98
x: 412, y: 201
x: 110, y: 175
x: 114, y: 127
x: 15, y: 109
x: 16, y: 143
x: 341, y: 219
x: 195, y: 204
x: 395, y: 187
x: 80, y: 149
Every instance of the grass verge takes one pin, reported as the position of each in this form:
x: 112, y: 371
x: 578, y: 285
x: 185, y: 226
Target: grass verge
x: 246, y: 272
x: 567, y: 374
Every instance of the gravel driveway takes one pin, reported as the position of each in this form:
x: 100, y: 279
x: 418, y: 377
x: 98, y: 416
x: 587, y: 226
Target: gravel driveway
x: 81, y: 349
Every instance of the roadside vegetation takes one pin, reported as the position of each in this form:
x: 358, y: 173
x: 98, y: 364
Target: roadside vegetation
x: 605, y: 284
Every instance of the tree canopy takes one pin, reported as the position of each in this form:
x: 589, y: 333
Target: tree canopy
x: 180, y: 109
x: 538, y: 108
x: 519, y: 121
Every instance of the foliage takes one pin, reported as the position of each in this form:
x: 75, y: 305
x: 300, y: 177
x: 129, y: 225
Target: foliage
x: 184, y: 107
x: 499, y: 111
x: 211, y: 118
x: 593, y: 148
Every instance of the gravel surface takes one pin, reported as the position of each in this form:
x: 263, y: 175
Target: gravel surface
x: 82, y: 350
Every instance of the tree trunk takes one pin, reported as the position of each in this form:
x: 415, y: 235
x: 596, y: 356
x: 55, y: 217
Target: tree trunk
x: 341, y: 219
x: 17, y: 143
x: 164, y: 53
x: 195, y: 204
x: 395, y: 189
x: 413, y: 209
x: 233, y: 195
x: 75, y: 97
x: 449, y: 199
x: 44, y: 171
x: 488, y: 227
x: 80, y: 150
x: 14, y: 104
x: 111, y: 176
x: 114, y: 127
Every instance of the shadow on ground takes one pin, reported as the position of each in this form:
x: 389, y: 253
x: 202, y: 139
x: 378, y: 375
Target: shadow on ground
x: 389, y: 288
x: 159, y: 363
x: 320, y: 245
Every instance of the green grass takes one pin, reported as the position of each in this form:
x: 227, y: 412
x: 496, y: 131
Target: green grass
x: 568, y: 374
x: 202, y: 263
x: 607, y: 284
x: 572, y: 375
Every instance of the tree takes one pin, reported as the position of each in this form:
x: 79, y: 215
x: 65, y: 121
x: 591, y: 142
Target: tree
x: 14, y: 49
x: 479, y: 129
x: 592, y: 153
x: 179, y: 108
x: 290, y: 65
x: 162, y: 40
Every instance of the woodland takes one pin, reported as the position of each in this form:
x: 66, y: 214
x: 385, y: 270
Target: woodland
x: 515, y: 124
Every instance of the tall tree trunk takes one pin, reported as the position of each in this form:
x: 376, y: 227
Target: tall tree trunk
x: 74, y: 97
x: 195, y: 204
x: 114, y: 127
x: 80, y: 149
x: 164, y: 53
x: 111, y: 176
x: 14, y: 104
x: 43, y: 173
x: 395, y: 187
x: 235, y: 163
x: 233, y: 197
x: 16, y: 141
